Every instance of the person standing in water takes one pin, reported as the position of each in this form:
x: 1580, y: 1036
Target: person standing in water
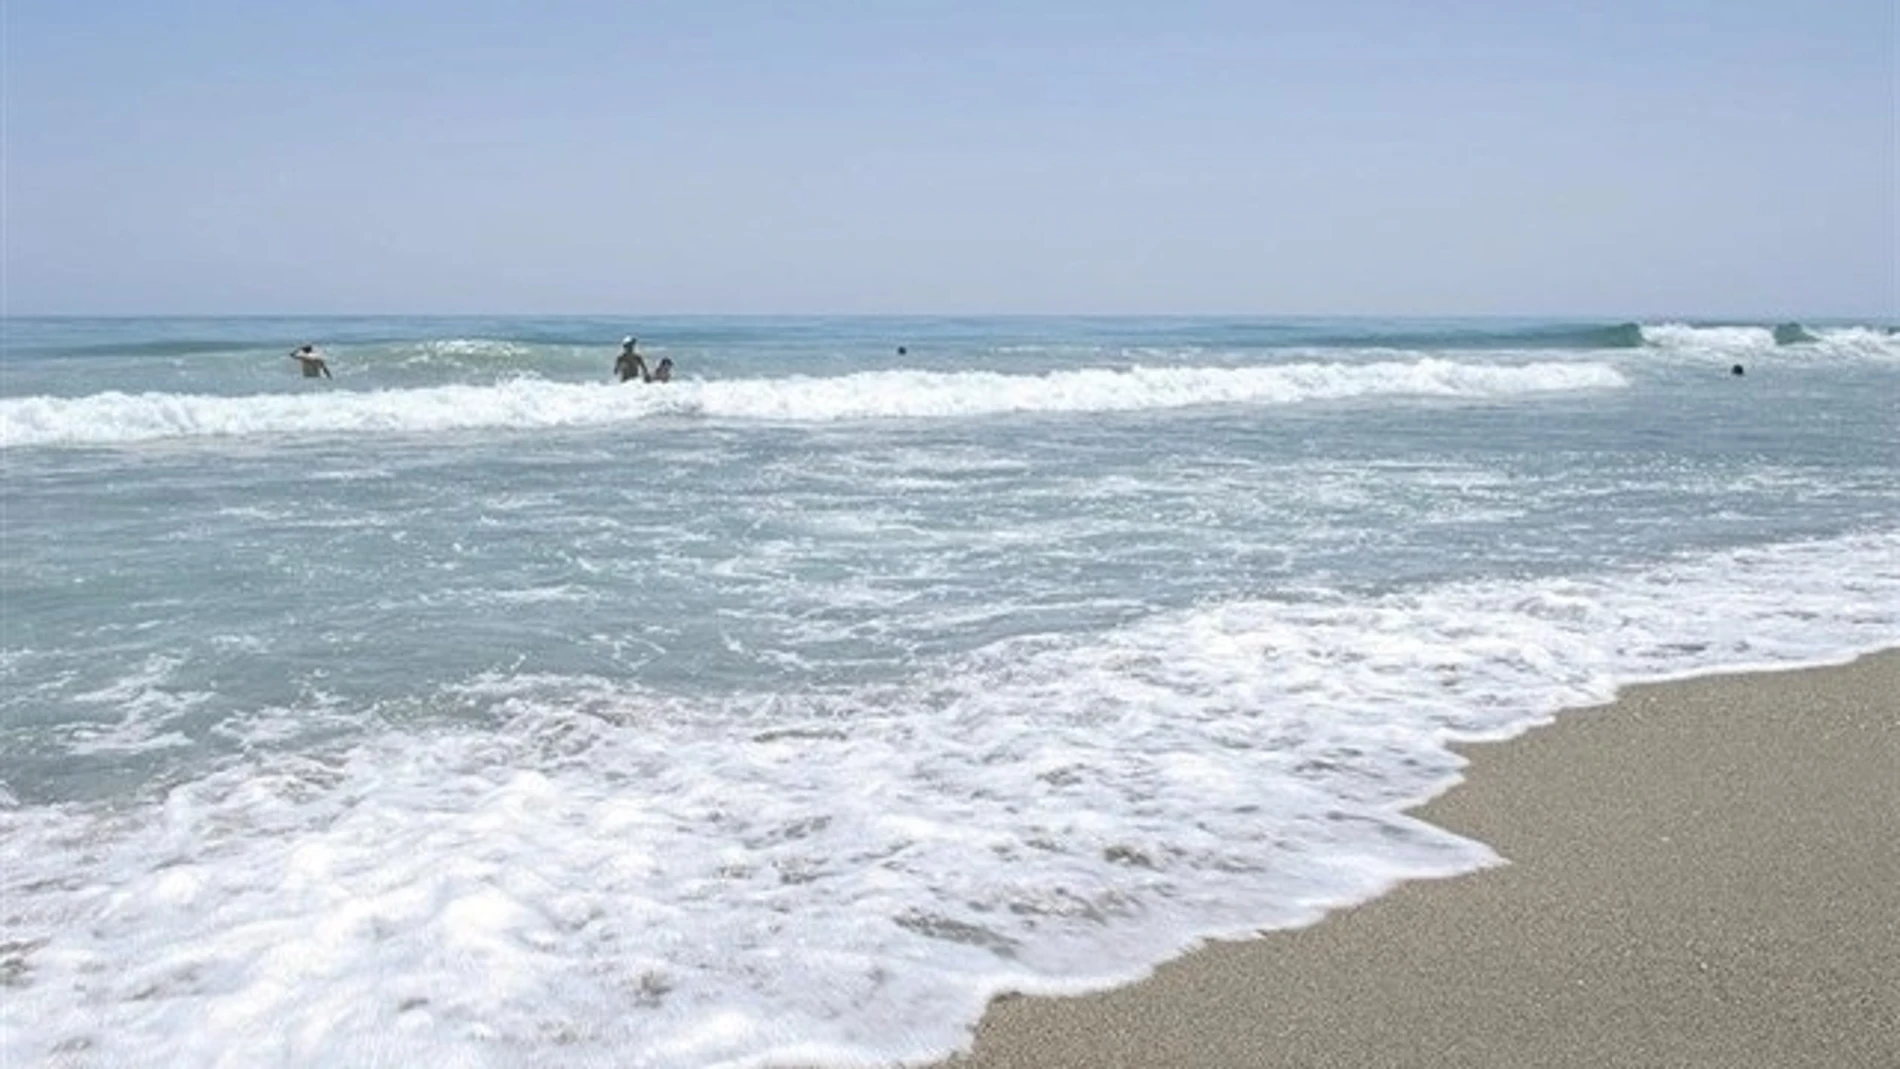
x: 663, y: 371
x: 630, y: 365
x: 312, y: 361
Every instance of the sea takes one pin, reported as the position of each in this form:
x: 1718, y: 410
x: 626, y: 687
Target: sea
x: 469, y: 708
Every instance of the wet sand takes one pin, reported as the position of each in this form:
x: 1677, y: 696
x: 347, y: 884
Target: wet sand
x: 1704, y: 873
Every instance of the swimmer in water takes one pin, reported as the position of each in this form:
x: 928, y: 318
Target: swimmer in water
x: 312, y: 362
x: 630, y: 365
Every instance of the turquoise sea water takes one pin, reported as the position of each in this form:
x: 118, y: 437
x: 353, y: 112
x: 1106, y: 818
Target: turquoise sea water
x: 468, y: 709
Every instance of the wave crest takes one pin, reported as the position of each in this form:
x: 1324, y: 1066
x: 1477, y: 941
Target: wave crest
x: 115, y: 418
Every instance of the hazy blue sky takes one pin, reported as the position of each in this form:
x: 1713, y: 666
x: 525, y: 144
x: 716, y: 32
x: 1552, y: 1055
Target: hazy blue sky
x: 1593, y: 157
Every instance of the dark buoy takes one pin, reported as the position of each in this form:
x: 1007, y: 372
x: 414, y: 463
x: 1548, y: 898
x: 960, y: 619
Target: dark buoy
x: 1736, y: 370
x: 901, y: 351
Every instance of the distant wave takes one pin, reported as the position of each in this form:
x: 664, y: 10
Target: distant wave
x: 163, y: 348
x: 1850, y: 340
x: 1542, y: 336
x: 1685, y: 336
x: 1792, y: 334
x: 1670, y: 335
x: 110, y: 418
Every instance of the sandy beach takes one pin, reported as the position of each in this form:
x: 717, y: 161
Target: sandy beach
x: 1704, y: 873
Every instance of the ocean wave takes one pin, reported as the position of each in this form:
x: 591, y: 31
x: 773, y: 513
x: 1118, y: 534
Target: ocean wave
x: 117, y: 418
x: 1481, y: 337
x: 1727, y: 338
x: 1793, y: 334
x: 478, y: 355
x: 163, y: 347
x: 1870, y: 341
x: 1782, y: 341
x: 606, y: 876
x: 1630, y: 335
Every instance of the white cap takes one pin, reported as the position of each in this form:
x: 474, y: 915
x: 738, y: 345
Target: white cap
x: 628, y: 340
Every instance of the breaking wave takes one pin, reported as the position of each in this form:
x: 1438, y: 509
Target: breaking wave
x: 601, y: 879
x: 117, y: 418
x: 1479, y: 337
x: 1846, y: 340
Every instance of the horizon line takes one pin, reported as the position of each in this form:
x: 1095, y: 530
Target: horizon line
x: 1712, y: 318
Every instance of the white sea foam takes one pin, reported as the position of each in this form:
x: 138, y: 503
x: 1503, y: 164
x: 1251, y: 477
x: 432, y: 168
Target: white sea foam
x: 464, y: 352
x: 608, y: 877
x: 143, y: 705
x: 111, y: 418
x: 1684, y: 336
x: 1864, y: 342
x: 1818, y: 343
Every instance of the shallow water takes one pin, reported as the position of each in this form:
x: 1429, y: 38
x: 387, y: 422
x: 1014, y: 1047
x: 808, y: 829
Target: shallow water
x: 468, y: 710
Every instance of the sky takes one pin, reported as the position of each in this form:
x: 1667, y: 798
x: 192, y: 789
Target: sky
x: 1613, y: 158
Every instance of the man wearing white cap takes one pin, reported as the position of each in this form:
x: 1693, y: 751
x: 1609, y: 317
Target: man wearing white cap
x: 630, y: 365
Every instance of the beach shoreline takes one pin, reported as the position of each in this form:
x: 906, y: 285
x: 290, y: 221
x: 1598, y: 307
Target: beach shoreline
x: 1702, y: 872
